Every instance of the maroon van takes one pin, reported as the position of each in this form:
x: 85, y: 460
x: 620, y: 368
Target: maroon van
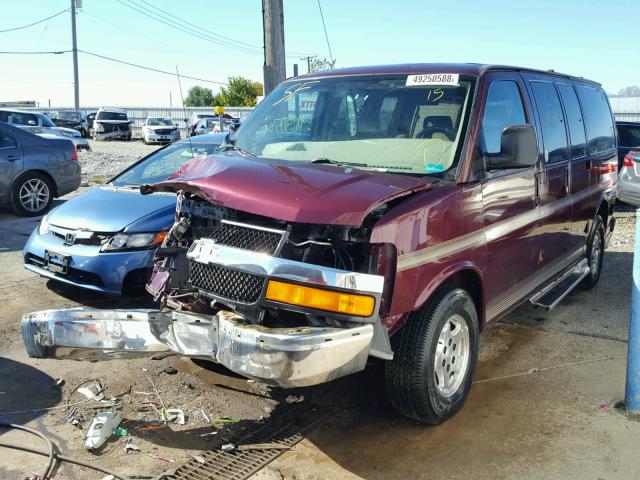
x: 391, y: 212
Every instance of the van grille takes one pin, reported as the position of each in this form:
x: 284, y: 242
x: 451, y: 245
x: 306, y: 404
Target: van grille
x: 246, y: 238
x: 226, y: 283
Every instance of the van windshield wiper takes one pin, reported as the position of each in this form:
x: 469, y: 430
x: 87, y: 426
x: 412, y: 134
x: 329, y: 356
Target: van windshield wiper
x: 335, y: 162
x: 231, y: 146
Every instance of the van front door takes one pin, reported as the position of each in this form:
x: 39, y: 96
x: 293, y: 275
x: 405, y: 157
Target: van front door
x: 511, y: 217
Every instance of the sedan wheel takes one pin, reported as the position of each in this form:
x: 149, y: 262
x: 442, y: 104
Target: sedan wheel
x: 32, y: 195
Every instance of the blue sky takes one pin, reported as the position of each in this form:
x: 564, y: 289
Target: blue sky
x: 582, y: 37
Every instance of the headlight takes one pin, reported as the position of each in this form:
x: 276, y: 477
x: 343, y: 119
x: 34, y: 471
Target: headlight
x: 43, y: 229
x: 99, y: 128
x: 122, y: 241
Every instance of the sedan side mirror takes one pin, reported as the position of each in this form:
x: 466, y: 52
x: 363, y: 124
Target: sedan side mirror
x: 518, y: 148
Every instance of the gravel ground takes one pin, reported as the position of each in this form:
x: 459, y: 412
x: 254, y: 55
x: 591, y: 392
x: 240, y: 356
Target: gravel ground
x: 107, y: 158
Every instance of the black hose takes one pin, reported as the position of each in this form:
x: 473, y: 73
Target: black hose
x: 62, y: 458
x: 51, y: 454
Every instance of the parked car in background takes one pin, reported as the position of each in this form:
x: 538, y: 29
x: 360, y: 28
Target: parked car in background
x: 35, y: 170
x: 389, y: 211
x: 628, y: 186
x: 104, y: 239
x: 90, y: 118
x: 41, y: 124
x: 160, y: 130
x: 628, y: 138
x: 212, y: 125
x: 111, y: 124
x: 195, y: 119
x: 71, y: 119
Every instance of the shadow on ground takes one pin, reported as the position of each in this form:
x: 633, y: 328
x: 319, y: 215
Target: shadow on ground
x: 35, y: 390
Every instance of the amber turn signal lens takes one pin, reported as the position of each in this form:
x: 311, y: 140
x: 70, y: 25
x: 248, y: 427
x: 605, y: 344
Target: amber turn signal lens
x: 321, y: 299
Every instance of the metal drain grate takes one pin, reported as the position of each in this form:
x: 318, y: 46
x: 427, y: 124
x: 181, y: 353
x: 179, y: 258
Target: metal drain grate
x: 284, y: 429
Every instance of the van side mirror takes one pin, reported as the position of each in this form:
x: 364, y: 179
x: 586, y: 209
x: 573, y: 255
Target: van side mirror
x: 518, y: 148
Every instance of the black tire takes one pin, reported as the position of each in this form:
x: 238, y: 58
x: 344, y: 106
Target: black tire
x: 40, y: 204
x: 595, y: 237
x: 411, y: 378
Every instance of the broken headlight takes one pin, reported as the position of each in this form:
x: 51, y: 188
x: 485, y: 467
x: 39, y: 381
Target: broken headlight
x: 123, y: 241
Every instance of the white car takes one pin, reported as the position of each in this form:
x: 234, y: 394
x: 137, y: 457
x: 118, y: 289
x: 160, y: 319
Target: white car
x: 42, y: 125
x: 160, y: 130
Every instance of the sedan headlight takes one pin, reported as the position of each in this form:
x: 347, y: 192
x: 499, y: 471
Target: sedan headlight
x: 43, y: 229
x: 123, y: 241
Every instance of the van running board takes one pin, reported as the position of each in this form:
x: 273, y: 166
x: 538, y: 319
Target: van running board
x: 553, y: 293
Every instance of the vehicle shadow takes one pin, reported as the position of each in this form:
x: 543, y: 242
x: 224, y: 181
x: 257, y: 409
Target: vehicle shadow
x: 15, y: 230
x: 25, y: 392
x: 90, y: 299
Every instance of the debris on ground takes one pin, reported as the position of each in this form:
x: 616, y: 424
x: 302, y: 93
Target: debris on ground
x: 205, y: 416
x: 263, y: 446
x: 294, y: 399
x: 59, y: 382
x: 604, y: 406
x: 228, y: 447
x: 161, y: 457
x: 102, y: 427
x: 170, y: 370
x: 176, y: 415
x: 130, y: 447
x: 89, y: 392
x: 199, y: 459
x: 224, y: 420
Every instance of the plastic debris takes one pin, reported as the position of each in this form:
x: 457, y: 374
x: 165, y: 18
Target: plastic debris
x: 199, y: 459
x: 205, y: 416
x: 121, y: 432
x: 604, y: 406
x: 170, y: 370
x: 228, y: 447
x: 208, y: 434
x: 224, y: 420
x: 176, y: 415
x: 59, y: 382
x: 294, y: 399
x: 102, y: 428
x: 130, y: 447
x: 87, y: 392
x: 108, y: 477
x: 161, y: 457
x: 263, y: 446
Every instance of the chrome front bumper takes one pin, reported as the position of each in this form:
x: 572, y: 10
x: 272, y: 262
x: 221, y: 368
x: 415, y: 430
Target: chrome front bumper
x: 286, y: 357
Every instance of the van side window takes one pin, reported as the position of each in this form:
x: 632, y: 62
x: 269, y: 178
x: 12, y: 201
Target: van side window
x: 502, y: 109
x: 554, y: 135
x: 597, y: 118
x: 574, y: 119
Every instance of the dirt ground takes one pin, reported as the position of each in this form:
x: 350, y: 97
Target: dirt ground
x: 542, y: 406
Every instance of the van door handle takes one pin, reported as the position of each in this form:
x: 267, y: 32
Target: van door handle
x: 13, y: 158
x: 537, y: 191
x: 568, y: 181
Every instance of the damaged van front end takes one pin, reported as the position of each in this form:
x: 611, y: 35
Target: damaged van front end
x: 280, y: 299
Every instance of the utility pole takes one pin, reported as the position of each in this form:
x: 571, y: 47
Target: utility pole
x: 76, y: 84
x: 308, y: 59
x: 273, y: 27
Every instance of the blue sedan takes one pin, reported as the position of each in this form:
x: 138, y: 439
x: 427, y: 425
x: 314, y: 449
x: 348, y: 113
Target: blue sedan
x: 104, y: 239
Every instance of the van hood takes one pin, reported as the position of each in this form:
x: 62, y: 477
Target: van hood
x: 111, y: 209
x: 289, y: 190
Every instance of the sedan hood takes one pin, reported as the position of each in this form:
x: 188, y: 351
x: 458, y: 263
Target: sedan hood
x: 112, y: 209
x: 287, y: 190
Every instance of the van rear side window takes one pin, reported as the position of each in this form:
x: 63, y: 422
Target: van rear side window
x: 574, y: 119
x: 598, y: 119
x: 554, y: 135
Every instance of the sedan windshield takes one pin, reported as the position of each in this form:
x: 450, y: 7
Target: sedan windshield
x: 156, y: 122
x: 390, y: 123
x: 163, y: 163
x: 111, y: 116
x: 67, y: 116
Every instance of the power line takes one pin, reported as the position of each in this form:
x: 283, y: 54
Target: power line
x: 325, y: 31
x: 111, y: 59
x: 34, y: 23
x: 155, y: 40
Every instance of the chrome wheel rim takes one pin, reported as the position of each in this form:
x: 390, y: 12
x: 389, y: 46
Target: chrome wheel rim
x: 451, y: 360
x: 34, y: 195
x: 596, y: 253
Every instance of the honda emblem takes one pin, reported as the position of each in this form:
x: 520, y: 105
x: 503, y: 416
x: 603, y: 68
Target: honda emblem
x: 69, y: 238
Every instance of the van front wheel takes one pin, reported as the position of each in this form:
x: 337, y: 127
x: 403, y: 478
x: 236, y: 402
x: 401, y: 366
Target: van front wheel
x: 435, y: 357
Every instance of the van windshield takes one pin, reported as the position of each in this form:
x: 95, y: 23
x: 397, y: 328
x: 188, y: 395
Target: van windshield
x: 391, y: 123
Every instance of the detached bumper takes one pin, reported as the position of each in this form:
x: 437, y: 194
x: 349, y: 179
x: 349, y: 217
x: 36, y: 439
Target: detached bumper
x: 286, y: 357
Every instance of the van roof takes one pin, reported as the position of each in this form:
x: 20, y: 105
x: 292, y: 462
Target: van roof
x: 475, y: 69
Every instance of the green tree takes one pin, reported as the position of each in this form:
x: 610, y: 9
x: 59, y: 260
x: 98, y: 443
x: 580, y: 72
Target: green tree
x: 199, y: 97
x: 241, y: 92
x: 320, y: 64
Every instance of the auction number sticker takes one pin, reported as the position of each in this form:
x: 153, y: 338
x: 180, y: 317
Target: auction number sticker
x: 432, y: 79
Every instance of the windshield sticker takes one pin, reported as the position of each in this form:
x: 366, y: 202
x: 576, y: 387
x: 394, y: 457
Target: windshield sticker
x: 432, y: 79
x: 434, y: 168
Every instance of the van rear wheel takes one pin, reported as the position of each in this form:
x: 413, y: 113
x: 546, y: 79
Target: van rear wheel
x: 435, y: 356
x: 595, y: 254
